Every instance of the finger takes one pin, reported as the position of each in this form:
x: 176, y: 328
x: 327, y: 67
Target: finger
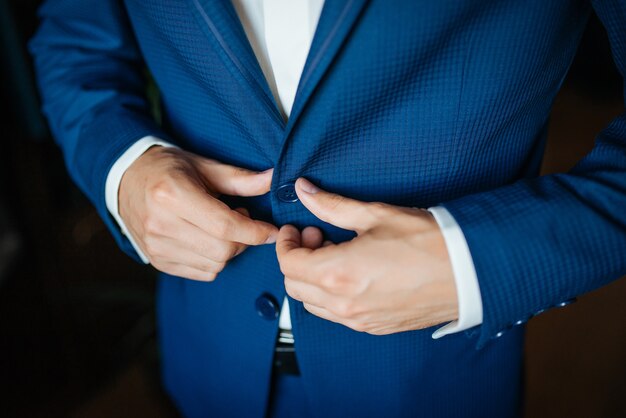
x: 335, y: 209
x: 242, y: 247
x: 298, y: 262
x: 323, y: 313
x: 327, y: 243
x: 186, y: 272
x: 311, y: 237
x: 309, y: 293
x: 200, y: 254
x: 358, y: 326
x: 191, y: 261
x: 235, y: 181
x: 289, y: 240
x: 182, y: 235
x: 218, y: 220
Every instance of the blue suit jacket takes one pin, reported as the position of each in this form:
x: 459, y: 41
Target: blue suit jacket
x: 413, y: 103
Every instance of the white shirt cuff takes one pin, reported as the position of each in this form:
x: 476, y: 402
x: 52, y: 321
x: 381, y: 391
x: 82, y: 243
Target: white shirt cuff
x: 114, y: 178
x: 467, y: 288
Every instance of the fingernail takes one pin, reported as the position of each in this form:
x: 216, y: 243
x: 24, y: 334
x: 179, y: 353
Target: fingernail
x: 271, y: 239
x: 307, y: 186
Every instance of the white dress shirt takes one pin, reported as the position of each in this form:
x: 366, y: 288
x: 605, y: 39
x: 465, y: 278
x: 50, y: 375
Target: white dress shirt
x: 280, y: 33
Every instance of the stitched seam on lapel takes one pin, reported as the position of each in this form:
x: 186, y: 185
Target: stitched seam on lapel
x: 236, y: 61
x: 324, y: 46
x: 311, y: 69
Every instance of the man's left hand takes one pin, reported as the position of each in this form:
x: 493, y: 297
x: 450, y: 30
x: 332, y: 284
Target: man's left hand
x: 394, y: 276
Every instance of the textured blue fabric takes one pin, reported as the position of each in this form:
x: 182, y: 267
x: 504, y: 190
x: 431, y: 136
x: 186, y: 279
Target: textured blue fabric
x: 288, y: 398
x: 409, y: 102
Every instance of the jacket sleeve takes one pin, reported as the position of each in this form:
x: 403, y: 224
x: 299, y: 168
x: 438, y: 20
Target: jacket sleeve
x: 93, y: 86
x: 538, y: 243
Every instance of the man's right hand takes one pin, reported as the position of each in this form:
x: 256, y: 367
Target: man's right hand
x: 168, y: 199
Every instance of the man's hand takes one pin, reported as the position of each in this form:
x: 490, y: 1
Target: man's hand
x: 168, y: 199
x: 394, y: 276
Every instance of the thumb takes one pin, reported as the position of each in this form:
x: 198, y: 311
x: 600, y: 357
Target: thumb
x: 335, y: 209
x: 235, y: 181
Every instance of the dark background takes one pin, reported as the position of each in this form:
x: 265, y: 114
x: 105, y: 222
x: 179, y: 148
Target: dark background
x: 77, y: 332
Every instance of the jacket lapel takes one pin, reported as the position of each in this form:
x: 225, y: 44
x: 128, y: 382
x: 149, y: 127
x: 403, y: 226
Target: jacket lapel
x: 220, y: 19
x: 335, y: 23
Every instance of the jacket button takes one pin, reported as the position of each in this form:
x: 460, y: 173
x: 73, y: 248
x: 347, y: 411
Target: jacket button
x: 266, y: 306
x: 287, y: 193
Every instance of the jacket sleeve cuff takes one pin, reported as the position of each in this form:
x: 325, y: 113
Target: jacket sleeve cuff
x: 465, y: 278
x: 114, y: 178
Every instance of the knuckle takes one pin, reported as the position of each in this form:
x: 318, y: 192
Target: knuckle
x: 336, y: 281
x: 223, y: 253
x: 231, y: 250
x: 163, y: 191
x: 152, y: 225
x: 376, y: 212
x: 291, y: 290
x: 261, y: 234
x: 346, y: 309
x: 223, y: 228
x: 201, y: 265
x: 330, y: 281
x: 359, y: 326
x: 219, y: 255
x: 217, y: 267
x: 378, y: 208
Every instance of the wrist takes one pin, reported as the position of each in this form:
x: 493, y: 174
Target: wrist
x: 134, y: 170
x: 447, y: 282
x: 436, y: 265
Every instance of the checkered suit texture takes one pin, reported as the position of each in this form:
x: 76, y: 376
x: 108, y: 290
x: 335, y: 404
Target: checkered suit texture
x: 414, y: 103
